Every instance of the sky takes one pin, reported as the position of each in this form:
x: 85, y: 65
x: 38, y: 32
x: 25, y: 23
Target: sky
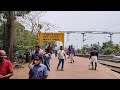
x: 85, y: 21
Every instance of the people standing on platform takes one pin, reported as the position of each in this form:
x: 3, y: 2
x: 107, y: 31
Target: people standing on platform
x: 38, y: 70
x: 55, y: 50
x: 61, y: 57
x: 37, y: 52
x: 69, y: 52
x: 47, y: 57
x: 72, y: 53
x: 42, y: 50
x: 93, y: 58
x: 50, y: 48
x: 6, y: 67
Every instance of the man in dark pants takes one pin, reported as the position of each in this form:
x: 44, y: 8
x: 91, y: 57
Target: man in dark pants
x: 93, y: 57
x: 55, y: 50
x: 61, y: 57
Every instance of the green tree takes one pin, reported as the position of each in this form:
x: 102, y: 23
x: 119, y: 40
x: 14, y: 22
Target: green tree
x: 24, y: 39
x: 109, y: 48
x: 8, y: 38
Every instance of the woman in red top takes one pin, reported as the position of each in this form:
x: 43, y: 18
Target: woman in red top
x: 6, y: 68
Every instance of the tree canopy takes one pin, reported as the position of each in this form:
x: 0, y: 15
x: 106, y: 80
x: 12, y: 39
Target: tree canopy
x: 106, y: 49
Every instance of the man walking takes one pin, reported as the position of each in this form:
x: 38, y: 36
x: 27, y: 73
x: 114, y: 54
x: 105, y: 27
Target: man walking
x: 6, y: 68
x: 93, y: 57
x: 47, y: 57
x: 38, y: 70
x: 61, y: 57
x: 72, y: 53
x: 55, y: 50
x: 37, y: 52
x: 69, y: 51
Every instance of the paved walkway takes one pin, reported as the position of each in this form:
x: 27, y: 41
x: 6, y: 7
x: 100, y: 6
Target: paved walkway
x: 77, y: 70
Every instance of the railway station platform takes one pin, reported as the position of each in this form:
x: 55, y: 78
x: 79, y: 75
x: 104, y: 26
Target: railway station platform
x: 77, y: 70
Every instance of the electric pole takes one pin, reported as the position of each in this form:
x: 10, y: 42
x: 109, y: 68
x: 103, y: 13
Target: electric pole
x: 110, y: 37
x: 83, y: 36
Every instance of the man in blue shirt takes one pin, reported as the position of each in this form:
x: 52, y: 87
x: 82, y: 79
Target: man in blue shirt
x: 38, y: 70
x: 37, y: 52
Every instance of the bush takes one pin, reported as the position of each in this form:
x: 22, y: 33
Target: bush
x: 78, y: 51
x: 109, y: 50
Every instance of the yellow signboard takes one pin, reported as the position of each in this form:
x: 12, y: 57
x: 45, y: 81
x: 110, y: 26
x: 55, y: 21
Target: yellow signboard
x: 51, y: 37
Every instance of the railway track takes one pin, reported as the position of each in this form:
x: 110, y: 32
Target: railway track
x: 112, y: 62
x: 112, y: 65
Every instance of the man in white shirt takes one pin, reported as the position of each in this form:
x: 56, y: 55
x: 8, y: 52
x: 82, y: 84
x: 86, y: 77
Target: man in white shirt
x: 61, y: 57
